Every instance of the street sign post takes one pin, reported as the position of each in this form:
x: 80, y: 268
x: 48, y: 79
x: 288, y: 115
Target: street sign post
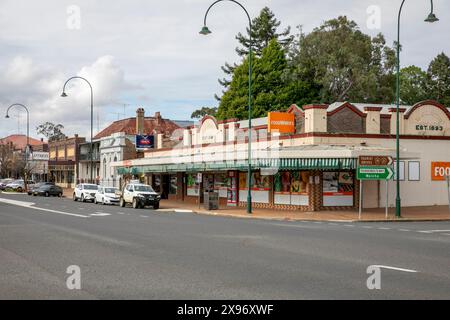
x: 374, y: 168
x: 374, y: 173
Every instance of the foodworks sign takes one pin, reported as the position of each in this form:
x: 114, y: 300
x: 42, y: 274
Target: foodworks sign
x: 439, y: 170
x: 281, y: 122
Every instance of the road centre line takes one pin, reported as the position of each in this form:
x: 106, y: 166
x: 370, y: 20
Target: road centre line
x: 395, y: 268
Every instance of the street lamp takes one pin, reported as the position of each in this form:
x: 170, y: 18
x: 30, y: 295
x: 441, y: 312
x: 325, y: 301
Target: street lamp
x: 205, y: 31
x: 28, y: 136
x: 92, y: 118
x: 431, y: 18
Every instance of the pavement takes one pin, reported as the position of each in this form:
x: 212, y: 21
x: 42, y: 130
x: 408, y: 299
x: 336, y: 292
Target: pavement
x: 124, y: 253
x: 430, y: 213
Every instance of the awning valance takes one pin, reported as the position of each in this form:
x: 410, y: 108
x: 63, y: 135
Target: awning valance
x: 280, y: 164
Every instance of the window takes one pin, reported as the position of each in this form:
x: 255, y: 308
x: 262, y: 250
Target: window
x: 402, y: 170
x: 414, y: 171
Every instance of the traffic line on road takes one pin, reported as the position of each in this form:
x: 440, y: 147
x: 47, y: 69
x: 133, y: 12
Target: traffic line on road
x: 30, y: 205
x: 395, y: 268
x: 433, y: 231
x: 100, y: 214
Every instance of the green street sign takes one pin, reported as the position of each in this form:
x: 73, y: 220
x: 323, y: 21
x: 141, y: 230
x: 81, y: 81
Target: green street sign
x: 374, y: 173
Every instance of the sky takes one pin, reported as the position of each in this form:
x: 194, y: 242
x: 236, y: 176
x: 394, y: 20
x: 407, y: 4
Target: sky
x: 148, y: 53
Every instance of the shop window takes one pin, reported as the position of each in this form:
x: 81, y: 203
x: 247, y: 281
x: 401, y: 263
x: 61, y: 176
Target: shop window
x: 220, y: 184
x: 290, y: 187
x: 192, y: 185
x: 402, y: 170
x: 414, y: 171
x: 260, y: 187
x: 337, y: 189
x: 173, y: 184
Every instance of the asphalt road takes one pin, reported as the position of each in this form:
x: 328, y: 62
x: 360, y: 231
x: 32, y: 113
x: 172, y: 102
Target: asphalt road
x: 145, y: 254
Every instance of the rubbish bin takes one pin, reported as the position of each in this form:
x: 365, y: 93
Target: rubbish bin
x: 211, y: 200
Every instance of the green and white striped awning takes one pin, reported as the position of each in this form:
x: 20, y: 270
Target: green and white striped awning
x: 280, y: 164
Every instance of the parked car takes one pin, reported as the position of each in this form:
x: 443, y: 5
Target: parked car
x: 38, y: 185
x: 85, y: 192
x: 4, y: 182
x: 106, y: 195
x: 19, y: 185
x: 139, y: 195
x: 48, y: 190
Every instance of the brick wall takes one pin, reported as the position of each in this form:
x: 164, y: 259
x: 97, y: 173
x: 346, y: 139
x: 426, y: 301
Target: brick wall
x: 346, y: 121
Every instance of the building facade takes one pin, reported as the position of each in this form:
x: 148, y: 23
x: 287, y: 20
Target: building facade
x: 63, y: 161
x: 313, y: 166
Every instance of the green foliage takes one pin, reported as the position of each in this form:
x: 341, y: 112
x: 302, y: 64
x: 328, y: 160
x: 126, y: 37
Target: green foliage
x: 413, y: 85
x: 264, y: 29
x: 270, y: 91
x: 439, y: 79
x: 345, y: 64
x: 200, y: 113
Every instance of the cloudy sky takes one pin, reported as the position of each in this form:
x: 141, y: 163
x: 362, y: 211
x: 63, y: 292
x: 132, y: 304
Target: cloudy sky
x: 149, y: 53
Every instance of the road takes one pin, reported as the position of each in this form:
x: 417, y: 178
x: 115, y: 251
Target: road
x: 145, y: 254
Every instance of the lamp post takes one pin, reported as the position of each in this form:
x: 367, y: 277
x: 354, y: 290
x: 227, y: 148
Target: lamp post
x: 205, y: 31
x: 92, y: 118
x: 431, y: 18
x: 28, y: 136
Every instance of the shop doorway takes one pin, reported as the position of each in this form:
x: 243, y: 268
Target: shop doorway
x: 165, y: 186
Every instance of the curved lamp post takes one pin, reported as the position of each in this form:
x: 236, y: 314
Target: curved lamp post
x: 205, y: 31
x: 92, y: 118
x: 28, y: 135
x: 431, y: 18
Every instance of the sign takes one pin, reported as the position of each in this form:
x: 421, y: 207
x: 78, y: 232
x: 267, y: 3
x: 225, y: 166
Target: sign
x: 145, y: 141
x: 281, y: 122
x: 377, y: 161
x: 40, y: 156
x: 439, y: 170
x: 374, y: 173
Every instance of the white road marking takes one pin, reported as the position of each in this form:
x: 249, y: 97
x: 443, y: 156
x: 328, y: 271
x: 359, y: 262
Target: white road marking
x: 404, y: 230
x: 433, y: 231
x: 120, y: 213
x: 318, y: 222
x: 395, y: 268
x: 183, y: 210
x: 349, y: 225
x: 383, y: 228
x: 100, y: 214
x: 367, y: 227
x: 31, y: 204
x: 144, y: 216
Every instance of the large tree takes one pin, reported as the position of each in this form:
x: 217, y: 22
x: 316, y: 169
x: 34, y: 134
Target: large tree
x: 439, y: 79
x: 200, y: 113
x: 264, y: 28
x: 413, y: 85
x: 346, y: 64
x: 270, y: 90
x: 51, y: 131
x: 6, y: 159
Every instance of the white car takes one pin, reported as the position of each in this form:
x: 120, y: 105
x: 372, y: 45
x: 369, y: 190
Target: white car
x: 139, y: 195
x: 85, y: 192
x: 106, y: 195
x: 19, y: 185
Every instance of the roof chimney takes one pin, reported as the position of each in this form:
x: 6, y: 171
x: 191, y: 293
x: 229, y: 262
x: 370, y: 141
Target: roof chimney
x: 140, y: 121
x: 158, y: 118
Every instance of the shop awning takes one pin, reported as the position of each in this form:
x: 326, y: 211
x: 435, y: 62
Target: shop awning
x: 280, y: 164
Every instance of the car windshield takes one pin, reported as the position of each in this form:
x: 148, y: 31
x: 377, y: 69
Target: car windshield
x: 143, y: 188
x: 110, y: 190
x: 90, y: 187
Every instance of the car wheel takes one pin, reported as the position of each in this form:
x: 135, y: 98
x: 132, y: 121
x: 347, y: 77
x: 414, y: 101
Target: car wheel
x: 156, y: 206
x: 19, y: 189
x: 122, y: 202
x: 60, y: 194
x: 136, y: 204
x: 103, y: 201
x: 47, y: 194
x: 95, y: 201
x: 74, y: 197
x: 82, y: 198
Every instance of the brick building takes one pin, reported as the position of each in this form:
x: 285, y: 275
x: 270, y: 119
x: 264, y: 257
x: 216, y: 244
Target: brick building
x: 313, y: 165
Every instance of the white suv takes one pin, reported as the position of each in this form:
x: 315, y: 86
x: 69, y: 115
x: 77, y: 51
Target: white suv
x: 139, y: 195
x: 85, y: 192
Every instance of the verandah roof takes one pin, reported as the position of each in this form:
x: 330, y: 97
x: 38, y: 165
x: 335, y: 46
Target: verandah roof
x: 280, y: 164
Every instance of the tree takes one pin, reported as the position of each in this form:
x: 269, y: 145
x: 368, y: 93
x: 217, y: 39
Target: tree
x: 439, y: 79
x: 51, y: 131
x: 413, y: 85
x: 270, y: 91
x: 200, y: 113
x: 6, y: 159
x: 346, y: 64
x: 264, y: 29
